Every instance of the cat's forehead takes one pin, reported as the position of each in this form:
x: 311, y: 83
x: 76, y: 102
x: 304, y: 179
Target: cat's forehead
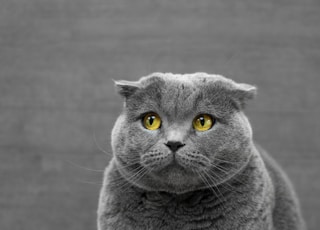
x: 172, y: 80
x: 180, y: 94
x: 177, y: 95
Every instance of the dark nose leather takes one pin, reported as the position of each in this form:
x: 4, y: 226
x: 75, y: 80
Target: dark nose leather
x: 174, y: 145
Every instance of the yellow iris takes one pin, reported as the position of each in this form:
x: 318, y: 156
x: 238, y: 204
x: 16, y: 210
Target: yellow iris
x: 202, y: 122
x: 152, y: 121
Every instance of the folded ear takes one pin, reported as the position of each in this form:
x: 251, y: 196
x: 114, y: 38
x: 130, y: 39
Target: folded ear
x: 126, y: 88
x: 241, y: 93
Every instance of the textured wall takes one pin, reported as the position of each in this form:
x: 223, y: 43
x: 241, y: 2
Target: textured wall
x: 57, y: 59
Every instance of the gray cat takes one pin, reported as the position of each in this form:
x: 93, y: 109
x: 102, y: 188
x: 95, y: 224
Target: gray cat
x: 184, y: 158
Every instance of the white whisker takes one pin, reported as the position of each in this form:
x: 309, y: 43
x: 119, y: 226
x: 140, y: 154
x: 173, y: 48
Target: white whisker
x: 229, y: 162
x: 90, y: 182
x: 99, y: 147
x: 228, y: 172
x: 213, y: 182
x: 126, y: 181
x: 82, y: 167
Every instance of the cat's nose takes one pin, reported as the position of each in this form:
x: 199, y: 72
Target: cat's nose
x: 174, y: 145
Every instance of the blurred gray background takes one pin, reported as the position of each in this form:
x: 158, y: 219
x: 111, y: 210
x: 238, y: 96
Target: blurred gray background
x: 58, y: 104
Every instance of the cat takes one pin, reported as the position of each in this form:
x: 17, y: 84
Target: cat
x: 184, y: 158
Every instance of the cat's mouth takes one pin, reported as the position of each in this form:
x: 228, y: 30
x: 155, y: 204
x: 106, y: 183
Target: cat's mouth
x: 177, y: 161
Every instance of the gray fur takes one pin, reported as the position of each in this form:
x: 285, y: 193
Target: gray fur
x: 219, y: 180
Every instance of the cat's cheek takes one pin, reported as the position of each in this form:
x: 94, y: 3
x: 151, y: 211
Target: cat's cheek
x: 211, y: 135
x: 139, y: 139
x: 246, y: 127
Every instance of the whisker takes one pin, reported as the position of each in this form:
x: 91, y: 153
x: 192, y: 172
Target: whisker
x: 132, y: 163
x: 226, y: 170
x: 210, y: 177
x: 128, y: 158
x: 232, y: 171
x: 207, y: 183
x: 82, y: 167
x: 221, y: 201
x: 98, y: 146
x: 124, y: 181
x: 138, y: 167
x: 225, y: 184
x: 90, y: 182
x: 229, y: 162
x: 114, y: 181
x: 138, y: 177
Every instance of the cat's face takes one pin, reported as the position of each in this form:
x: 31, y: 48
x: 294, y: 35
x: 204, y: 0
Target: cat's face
x: 179, y: 133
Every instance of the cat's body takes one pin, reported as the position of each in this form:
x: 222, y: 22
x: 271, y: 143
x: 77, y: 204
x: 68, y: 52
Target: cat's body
x: 215, y: 179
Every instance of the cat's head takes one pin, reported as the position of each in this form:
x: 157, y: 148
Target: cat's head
x: 179, y: 133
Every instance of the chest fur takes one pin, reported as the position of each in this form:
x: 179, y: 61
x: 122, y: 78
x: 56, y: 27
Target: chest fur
x: 200, y: 210
x: 240, y: 204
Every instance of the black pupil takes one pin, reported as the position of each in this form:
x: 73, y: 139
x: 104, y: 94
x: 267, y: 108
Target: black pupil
x: 202, y: 121
x: 151, y: 119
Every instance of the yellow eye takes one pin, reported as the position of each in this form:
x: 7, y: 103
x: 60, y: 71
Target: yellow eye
x: 152, y: 121
x: 203, y: 122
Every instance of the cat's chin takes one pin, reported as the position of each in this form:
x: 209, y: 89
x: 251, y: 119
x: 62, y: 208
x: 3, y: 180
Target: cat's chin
x: 176, y: 179
x: 174, y: 174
